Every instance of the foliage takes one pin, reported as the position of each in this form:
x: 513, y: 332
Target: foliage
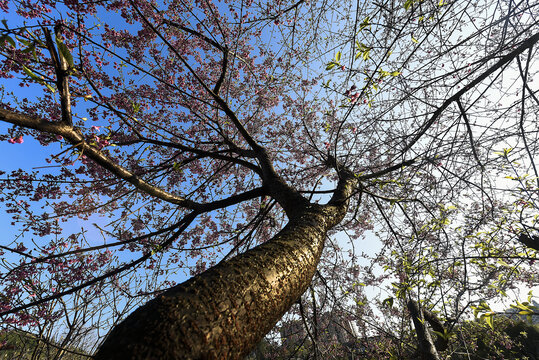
x: 21, y: 345
x: 509, y: 339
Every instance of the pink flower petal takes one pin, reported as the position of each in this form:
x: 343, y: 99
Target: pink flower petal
x: 16, y: 140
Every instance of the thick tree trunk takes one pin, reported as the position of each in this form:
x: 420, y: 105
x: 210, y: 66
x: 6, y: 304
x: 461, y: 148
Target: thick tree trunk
x: 224, y: 312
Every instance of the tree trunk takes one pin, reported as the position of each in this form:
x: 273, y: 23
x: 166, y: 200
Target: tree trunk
x: 224, y: 312
x: 426, y: 347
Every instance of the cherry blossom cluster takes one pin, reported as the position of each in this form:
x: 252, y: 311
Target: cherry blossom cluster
x: 354, y: 96
x: 16, y: 140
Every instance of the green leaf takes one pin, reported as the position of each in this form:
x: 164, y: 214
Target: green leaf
x: 53, y: 90
x: 37, y: 39
x: 338, y: 56
x: 489, y: 319
x: 365, y: 23
x: 414, y: 39
x: 64, y: 51
x: 444, y: 335
x: 30, y: 49
x: 31, y: 74
x: 388, y: 302
x: 156, y: 249
x: 366, y: 55
x: 9, y: 40
x: 330, y: 65
x: 177, y: 167
x: 37, y: 78
x: 136, y: 107
x: 361, y: 47
x: 24, y: 42
x: 408, y: 4
x: 503, y: 263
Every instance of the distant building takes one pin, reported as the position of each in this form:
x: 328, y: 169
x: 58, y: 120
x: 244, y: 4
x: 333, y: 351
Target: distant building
x: 335, y: 333
x: 331, y: 329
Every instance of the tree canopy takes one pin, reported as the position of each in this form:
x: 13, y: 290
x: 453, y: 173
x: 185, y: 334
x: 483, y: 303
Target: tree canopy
x: 380, y: 156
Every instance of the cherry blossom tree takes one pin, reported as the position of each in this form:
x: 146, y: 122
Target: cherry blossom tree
x: 232, y: 141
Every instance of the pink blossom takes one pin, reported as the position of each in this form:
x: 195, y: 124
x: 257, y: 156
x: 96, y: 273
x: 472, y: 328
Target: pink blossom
x: 16, y: 140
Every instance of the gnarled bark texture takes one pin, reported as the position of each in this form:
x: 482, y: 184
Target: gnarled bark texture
x: 224, y: 312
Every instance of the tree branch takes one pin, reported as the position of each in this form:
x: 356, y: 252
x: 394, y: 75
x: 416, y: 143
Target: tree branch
x: 470, y: 133
x: 528, y: 43
x: 215, y: 44
x: 213, y: 155
x: 61, y: 68
x: 186, y: 222
x: 426, y: 346
x: 76, y: 138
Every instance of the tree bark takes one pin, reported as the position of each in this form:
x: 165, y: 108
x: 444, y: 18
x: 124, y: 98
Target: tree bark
x: 427, y: 349
x: 225, y: 311
x: 441, y: 342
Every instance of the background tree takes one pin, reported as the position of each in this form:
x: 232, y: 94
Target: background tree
x: 197, y: 131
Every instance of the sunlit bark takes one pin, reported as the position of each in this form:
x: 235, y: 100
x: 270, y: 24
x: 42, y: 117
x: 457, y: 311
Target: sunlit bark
x: 224, y: 312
